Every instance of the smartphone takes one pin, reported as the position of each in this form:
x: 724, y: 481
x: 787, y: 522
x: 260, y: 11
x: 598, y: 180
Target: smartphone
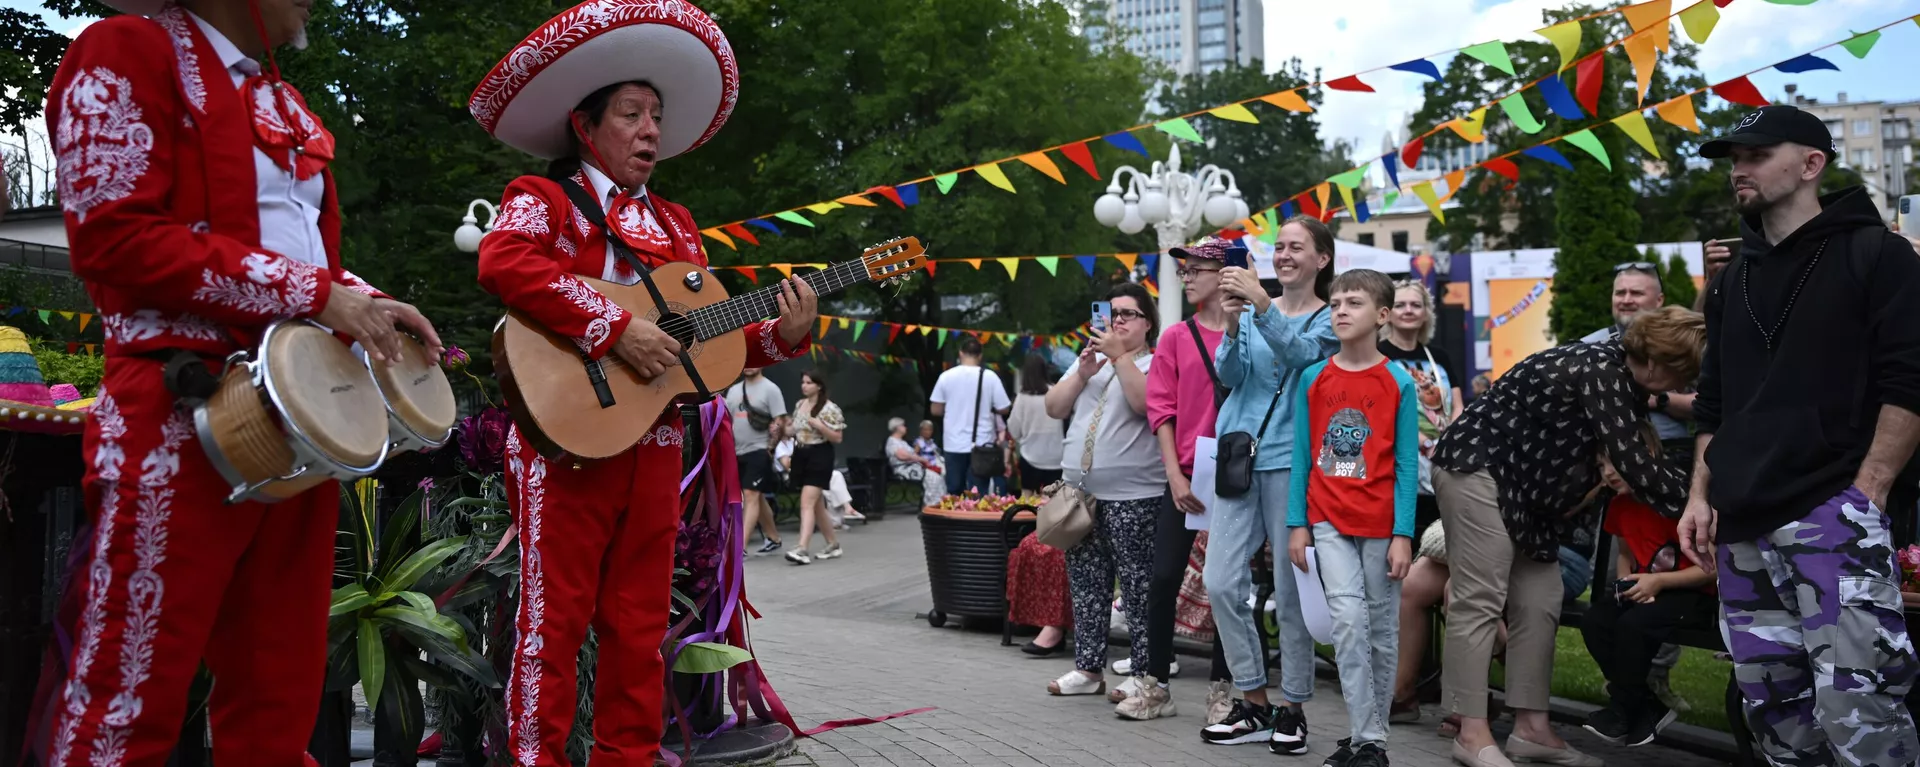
x: 1102, y: 315
x: 1620, y: 588
x: 1909, y: 215
x: 1237, y: 257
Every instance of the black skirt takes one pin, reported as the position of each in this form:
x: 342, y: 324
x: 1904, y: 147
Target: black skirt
x: 812, y: 466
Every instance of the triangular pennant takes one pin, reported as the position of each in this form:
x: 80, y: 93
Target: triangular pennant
x: 945, y: 181
x: 91, y: 348
x: 66, y: 315
x: 1679, y: 112
x: 1493, y: 54
x: 1012, y: 265
x: 1699, y: 21
x: 823, y: 208
x: 1860, y: 44
x: 892, y: 195
x: 1504, y: 167
x: 1152, y: 262
x: 1635, y: 126
x: 855, y: 199
x: 1360, y: 211
x: 973, y: 262
x: 1050, y: 263
x: 1410, y: 154
x: 1153, y: 289
x: 1424, y: 191
x: 911, y: 329
x: 1559, y: 99
x: 909, y: 193
x: 1515, y: 106
x: 859, y: 327
x: 741, y: 232
x: 992, y: 173
x: 1351, y: 178
x: 1127, y: 141
x: 1127, y: 259
x: 1321, y: 194
x: 930, y: 267
x: 925, y: 329
x: 1086, y: 262
x: 1805, y: 63
x: 1391, y: 162
x: 1565, y: 38
x: 764, y: 224
x: 1081, y: 156
x: 823, y: 327
x: 1585, y: 139
x: 1349, y: 83
x: 788, y: 215
x: 1455, y: 180
x: 45, y: 315
x: 752, y: 273
x: 1286, y: 212
x: 1234, y: 112
x: 893, y: 331
x: 720, y: 236
x: 842, y: 322
x: 1387, y: 200
x: 1740, y: 90
x: 941, y: 341
x: 1041, y: 162
x: 1643, y: 50
x: 84, y: 319
x: 1647, y: 14
x: 1418, y: 67
x: 1288, y: 100
x: 1308, y: 206
x: 1548, y: 154
x: 1472, y: 127
x: 1587, y: 79
x: 1178, y: 127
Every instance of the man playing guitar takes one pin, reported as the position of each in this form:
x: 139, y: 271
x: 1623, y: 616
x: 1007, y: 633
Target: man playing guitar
x: 200, y: 209
x: 606, y: 90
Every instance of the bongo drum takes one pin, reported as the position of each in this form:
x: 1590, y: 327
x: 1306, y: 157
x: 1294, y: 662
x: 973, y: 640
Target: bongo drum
x: 420, y: 404
x: 296, y: 412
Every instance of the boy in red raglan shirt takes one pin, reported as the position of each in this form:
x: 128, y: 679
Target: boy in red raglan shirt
x: 1355, y: 478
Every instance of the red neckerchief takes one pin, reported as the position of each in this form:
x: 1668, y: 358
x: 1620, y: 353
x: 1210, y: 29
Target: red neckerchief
x: 283, y: 128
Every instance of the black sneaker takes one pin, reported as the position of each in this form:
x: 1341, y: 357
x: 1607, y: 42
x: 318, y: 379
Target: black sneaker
x: 1652, y: 719
x: 1610, y: 723
x: 768, y: 546
x: 1369, y: 755
x: 1342, y: 756
x: 1289, y: 732
x: 1245, y: 723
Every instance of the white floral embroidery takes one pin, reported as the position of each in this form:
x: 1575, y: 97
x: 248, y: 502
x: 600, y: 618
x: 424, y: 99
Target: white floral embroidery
x: 565, y: 244
x: 524, y: 213
x: 107, y: 458
x: 598, y: 329
x: 664, y: 436
x: 580, y: 225
x: 100, y: 143
x: 769, y: 343
x: 527, y: 666
x: 270, y: 115
x: 145, y: 588
x: 357, y: 285
x: 151, y: 323
x: 257, y: 294
x: 174, y: 20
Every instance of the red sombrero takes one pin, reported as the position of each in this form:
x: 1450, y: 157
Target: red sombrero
x: 673, y: 45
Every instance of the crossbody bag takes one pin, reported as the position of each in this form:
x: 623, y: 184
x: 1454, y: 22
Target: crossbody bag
x: 986, y: 460
x: 1233, y: 461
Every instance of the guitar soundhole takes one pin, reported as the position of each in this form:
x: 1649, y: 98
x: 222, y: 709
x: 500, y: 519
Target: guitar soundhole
x: 677, y: 324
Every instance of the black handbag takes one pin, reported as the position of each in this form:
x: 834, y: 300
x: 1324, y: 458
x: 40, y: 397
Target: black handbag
x: 1235, y: 451
x: 985, y: 460
x: 760, y: 421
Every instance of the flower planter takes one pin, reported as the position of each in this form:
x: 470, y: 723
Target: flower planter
x: 967, y: 559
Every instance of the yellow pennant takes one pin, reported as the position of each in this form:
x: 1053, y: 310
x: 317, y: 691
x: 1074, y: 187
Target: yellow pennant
x: 1234, y: 112
x: 992, y: 173
x: 1700, y: 20
x: 1012, y: 265
x: 1473, y: 127
x: 1565, y: 38
x: 1424, y: 191
x: 1635, y: 126
x: 822, y: 207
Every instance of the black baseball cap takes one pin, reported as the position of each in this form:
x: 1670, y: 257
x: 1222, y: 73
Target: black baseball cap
x: 1767, y: 126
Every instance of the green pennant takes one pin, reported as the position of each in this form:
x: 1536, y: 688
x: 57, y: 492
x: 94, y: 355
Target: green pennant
x: 788, y: 215
x: 942, y: 343
x: 1051, y: 264
x: 1517, y: 111
x: 1272, y: 231
x: 1178, y: 127
x: 45, y: 315
x: 1493, y: 54
x: 859, y: 326
x: 1861, y: 44
x: 1352, y: 179
x: 1387, y: 200
x: 945, y: 181
x: 1591, y: 143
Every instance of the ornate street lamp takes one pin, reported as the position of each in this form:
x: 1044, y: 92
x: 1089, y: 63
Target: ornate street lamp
x: 467, y: 237
x: 1176, y: 204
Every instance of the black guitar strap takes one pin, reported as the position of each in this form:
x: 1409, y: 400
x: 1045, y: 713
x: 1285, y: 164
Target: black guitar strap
x: 597, y: 215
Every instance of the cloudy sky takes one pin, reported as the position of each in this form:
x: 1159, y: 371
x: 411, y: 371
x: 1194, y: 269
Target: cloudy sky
x: 1352, y: 35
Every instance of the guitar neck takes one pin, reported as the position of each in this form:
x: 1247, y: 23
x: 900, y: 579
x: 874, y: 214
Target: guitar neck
x: 743, y: 310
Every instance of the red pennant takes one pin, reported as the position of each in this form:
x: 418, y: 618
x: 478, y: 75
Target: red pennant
x: 1740, y: 90
x: 73, y: 347
x: 1230, y: 234
x: 1349, y: 83
x: 1410, y: 154
x: 1077, y: 152
x: 741, y: 232
x: 750, y: 272
x: 930, y: 266
x: 893, y: 331
x: 1587, y: 77
x: 1722, y: 3
x: 892, y: 195
x: 1504, y: 167
x: 1309, y: 206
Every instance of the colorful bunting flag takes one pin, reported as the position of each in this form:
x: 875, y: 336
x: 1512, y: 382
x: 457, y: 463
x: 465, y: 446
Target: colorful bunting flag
x: 1504, y: 167
x: 1455, y: 180
x: 786, y: 270
x: 1805, y: 63
x: 1643, y: 50
x: 823, y: 327
x: 1647, y: 14
x: 1515, y: 106
x: 1699, y: 21
x: 720, y: 237
x: 764, y: 224
x: 1410, y: 154
x: 859, y: 327
x: 857, y: 199
x: 793, y: 217
x: 945, y: 181
x: 1178, y: 127
x: 741, y: 232
x: 1234, y: 112
x: 1424, y: 191
x: 1351, y: 178
x: 1559, y: 99
x: 1635, y: 126
x: 1585, y: 139
x: 1346, y: 197
x: 1493, y: 54
x: 1041, y: 162
x: 1549, y: 154
x: 1860, y: 44
x: 1086, y: 262
x: 1288, y: 100
x: 1349, y: 83
x: 1740, y: 90
x: 1587, y: 79
x: 1472, y: 127
x: 909, y: 193
x: 992, y: 173
x: 1391, y: 161
x: 973, y: 262
x: 1012, y: 265
x: 1360, y: 211
x: 1127, y: 141
x: 1418, y: 67
x: 1050, y: 263
x: 1081, y: 156
x: 1565, y: 37
x: 1679, y: 112
x: 892, y: 195
x: 822, y: 208
x: 1127, y: 259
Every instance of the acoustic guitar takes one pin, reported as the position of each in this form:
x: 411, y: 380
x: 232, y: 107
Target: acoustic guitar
x: 564, y: 402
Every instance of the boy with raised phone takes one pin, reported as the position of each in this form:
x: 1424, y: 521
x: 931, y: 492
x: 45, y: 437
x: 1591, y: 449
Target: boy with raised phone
x: 1355, y: 476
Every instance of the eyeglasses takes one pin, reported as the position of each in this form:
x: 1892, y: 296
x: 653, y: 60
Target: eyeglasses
x: 1127, y: 315
x: 1637, y: 266
x: 1189, y: 273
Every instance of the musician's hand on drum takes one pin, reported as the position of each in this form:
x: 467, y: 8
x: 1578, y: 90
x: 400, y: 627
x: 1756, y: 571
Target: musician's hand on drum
x: 647, y: 349
x: 410, y: 319
x: 799, y: 308
x: 362, y: 319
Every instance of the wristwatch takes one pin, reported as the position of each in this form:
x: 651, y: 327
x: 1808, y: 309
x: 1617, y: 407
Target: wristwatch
x: 1660, y: 402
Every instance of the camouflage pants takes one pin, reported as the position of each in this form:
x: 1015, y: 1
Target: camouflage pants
x: 1819, y: 643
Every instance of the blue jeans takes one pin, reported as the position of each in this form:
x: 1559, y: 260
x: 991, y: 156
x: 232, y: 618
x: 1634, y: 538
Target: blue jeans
x: 1365, y: 605
x: 1576, y: 573
x: 960, y: 477
x: 1238, y: 527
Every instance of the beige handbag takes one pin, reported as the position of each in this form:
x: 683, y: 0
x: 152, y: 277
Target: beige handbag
x: 1067, y: 515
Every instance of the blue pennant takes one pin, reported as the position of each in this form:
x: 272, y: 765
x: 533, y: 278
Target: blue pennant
x: 764, y: 224
x: 1360, y: 212
x: 909, y: 193
x: 1286, y: 210
x: 1419, y: 67
x: 1152, y: 260
x: 1549, y: 154
x: 1086, y: 262
x: 1391, y: 161
x: 1807, y: 63
x: 1127, y: 141
x: 1559, y: 100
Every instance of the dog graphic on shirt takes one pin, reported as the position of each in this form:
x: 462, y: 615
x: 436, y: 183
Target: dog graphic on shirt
x: 1340, y: 447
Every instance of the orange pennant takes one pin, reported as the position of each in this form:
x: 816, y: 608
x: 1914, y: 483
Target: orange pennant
x: 786, y: 270
x: 854, y: 199
x: 1643, y: 48
x: 84, y: 319
x: 1040, y: 162
x: 720, y: 236
x: 1127, y: 259
x: 1679, y: 112
x: 823, y: 327
x: 1288, y: 100
x: 973, y: 262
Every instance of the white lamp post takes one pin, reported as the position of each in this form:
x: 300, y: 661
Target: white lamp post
x: 1177, y: 204
x: 467, y: 237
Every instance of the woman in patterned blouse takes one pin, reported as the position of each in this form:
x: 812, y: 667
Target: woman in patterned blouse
x: 1507, y: 473
x: 818, y: 426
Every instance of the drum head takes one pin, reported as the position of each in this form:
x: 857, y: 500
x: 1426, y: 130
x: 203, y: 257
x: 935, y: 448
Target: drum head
x: 417, y: 390
x: 325, y: 393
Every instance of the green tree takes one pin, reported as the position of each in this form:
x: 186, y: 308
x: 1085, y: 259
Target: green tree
x: 1595, y: 227
x: 1675, y: 282
x: 1283, y: 155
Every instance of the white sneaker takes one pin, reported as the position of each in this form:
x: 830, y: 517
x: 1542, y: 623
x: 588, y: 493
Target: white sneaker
x: 1076, y: 683
x: 831, y: 552
x: 1153, y: 701
x: 799, y: 556
x: 1127, y: 689
x: 1124, y: 667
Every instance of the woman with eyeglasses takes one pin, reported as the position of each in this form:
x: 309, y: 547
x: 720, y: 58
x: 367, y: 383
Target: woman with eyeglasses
x: 1407, y: 339
x: 1113, y: 455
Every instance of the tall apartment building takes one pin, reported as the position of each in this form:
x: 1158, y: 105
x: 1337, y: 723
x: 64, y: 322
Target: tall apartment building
x: 1189, y: 36
x: 1875, y: 139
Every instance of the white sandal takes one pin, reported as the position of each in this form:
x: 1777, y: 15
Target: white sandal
x: 1076, y: 683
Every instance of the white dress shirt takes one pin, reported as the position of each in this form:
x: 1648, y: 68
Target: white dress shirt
x: 605, y: 189
x: 289, y: 208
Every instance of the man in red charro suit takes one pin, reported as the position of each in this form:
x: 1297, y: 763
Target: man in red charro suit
x: 199, y: 209
x: 606, y: 89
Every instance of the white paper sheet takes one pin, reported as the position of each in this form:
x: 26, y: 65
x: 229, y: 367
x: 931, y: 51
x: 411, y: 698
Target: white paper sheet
x: 1313, y: 596
x: 1203, y: 455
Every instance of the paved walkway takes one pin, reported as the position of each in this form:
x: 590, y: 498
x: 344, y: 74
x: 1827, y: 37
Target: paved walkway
x: 845, y: 638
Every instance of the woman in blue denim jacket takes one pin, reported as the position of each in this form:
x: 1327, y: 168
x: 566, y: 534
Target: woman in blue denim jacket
x: 1271, y: 342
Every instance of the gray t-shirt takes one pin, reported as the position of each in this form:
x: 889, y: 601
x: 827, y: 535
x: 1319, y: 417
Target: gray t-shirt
x: 761, y: 395
x: 1126, y: 454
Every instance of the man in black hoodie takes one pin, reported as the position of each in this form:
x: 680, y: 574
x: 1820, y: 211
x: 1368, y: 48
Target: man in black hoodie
x: 1806, y: 418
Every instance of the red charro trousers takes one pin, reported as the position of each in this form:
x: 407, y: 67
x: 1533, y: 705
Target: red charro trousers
x: 174, y: 575
x: 596, y: 546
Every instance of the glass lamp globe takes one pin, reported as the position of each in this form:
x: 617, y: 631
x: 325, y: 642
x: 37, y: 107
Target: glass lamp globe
x: 1132, y: 223
x: 1109, y: 209
x: 467, y: 237
x: 1154, y: 205
x: 1221, y: 210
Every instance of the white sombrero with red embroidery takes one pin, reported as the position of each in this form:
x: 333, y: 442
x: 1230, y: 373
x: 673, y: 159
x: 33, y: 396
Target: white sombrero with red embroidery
x: 671, y: 44
x: 137, y: 7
